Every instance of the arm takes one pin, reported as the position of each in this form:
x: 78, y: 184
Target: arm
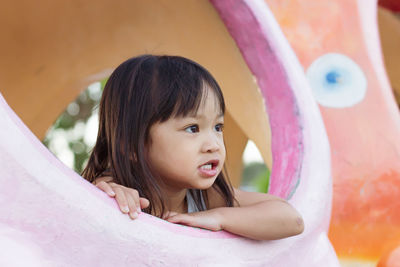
x: 261, y: 217
x: 256, y: 216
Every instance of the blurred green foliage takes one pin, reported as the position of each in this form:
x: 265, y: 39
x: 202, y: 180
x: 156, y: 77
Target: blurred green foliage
x: 76, y: 117
x: 255, y: 177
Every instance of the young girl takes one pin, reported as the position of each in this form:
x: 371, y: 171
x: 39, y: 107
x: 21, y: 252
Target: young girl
x: 160, y: 149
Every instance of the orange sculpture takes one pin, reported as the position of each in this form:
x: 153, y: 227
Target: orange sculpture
x: 339, y: 40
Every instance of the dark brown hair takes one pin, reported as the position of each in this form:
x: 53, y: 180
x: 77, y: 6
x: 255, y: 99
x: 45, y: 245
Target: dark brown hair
x: 140, y: 92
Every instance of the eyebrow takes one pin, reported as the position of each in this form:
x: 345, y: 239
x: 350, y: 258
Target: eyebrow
x: 201, y: 116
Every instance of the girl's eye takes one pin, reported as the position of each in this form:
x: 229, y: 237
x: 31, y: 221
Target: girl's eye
x: 192, y: 129
x: 219, y: 127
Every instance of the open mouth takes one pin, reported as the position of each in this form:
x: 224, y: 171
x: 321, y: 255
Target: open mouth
x: 209, y: 168
x: 210, y: 165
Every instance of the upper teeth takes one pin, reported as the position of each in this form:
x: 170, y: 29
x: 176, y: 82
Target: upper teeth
x: 206, y: 166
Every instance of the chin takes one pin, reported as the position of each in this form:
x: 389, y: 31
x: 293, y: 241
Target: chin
x: 205, y: 184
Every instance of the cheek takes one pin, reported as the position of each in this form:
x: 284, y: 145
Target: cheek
x: 223, y: 150
x: 168, y: 154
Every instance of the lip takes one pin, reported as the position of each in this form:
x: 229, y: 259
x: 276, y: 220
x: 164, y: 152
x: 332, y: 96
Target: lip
x: 212, y: 172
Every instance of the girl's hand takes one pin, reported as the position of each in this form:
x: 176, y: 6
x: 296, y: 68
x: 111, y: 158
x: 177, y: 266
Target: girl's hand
x: 209, y: 219
x: 127, y: 198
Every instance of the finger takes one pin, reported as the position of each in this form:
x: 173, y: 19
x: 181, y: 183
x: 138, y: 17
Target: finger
x: 106, y: 179
x: 144, y: 202
x: 181, y: 218
x: 168, y: 214
x: 172, y: 213
x: 133, y: 213
x: 134, y: 194
x: 121, y: 200
x: 103, y: 178
x: 192, y: 221
x: 106, y: 188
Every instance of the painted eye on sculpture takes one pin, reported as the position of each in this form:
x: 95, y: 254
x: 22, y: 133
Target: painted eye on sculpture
x: 336, y: 81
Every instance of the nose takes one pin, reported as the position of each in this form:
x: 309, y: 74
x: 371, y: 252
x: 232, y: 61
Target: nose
x: 211, y: 143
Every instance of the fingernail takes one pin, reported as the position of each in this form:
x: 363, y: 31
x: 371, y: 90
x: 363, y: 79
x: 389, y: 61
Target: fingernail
x: 135, y: 215
x: 139, y: 210
x: 125, y: 209
x: 112, y: 193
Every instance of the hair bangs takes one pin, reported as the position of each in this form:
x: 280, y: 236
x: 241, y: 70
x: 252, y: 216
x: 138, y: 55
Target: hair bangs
x: 183, y: 87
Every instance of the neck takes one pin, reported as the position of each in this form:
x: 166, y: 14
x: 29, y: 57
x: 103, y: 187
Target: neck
x: 175, y: 199
x: 176, y: 202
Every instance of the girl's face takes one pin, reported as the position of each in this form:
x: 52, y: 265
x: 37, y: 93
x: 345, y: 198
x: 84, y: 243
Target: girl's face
x: 189, y: 152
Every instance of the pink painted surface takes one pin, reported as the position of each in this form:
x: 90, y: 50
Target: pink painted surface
x: 254, y: 43
x: 52, y: 217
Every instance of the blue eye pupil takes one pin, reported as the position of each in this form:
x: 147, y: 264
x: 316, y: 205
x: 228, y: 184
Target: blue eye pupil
x: 333, y: 77
x: 337, y: 81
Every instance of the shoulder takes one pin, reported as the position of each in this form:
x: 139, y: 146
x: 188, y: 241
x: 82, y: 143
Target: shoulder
x: 242, y: 198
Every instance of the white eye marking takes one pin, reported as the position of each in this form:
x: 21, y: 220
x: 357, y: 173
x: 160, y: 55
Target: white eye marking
x: 336, y: 81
